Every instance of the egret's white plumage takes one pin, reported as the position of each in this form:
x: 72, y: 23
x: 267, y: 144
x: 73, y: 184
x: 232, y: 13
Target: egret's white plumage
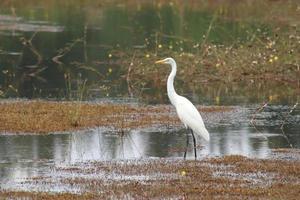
x: 186, y: 111
x: 190, y: 117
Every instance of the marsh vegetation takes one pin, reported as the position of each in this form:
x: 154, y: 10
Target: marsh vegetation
x: 224, y: 50
x: 79, y: 87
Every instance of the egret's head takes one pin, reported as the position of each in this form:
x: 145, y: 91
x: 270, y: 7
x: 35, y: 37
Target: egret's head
x: 169, y: 61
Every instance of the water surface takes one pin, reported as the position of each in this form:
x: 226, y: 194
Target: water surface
x: 25, y: 156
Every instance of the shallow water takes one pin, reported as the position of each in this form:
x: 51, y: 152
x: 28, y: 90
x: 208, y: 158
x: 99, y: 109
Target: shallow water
x: 25, y: 156
x: 98, y: 35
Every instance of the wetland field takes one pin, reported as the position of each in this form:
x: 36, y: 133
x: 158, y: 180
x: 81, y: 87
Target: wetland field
x: 84, y: 111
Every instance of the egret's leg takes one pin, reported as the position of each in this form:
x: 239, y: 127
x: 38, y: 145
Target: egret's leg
x: 187, y: 144
x: 194, y: 140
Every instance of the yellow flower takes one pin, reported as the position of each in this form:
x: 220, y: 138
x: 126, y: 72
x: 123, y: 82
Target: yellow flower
x: 270, y: 45
x: 159, y: 46
x: 275, y: 58
x: 109, y: 55
x: 270, y: 60
x: 110, y: 70
x: 271, y: 98
x: 147, y: 55
x: 183, y: 173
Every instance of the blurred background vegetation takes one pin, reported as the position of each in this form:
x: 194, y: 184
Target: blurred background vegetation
x: 228, y: 52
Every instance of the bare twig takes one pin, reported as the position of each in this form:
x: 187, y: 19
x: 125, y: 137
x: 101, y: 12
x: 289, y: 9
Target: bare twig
x: 254, y: 116
x: 64, y: 51
x: 208, y: 32
x: 33, y: 70
x: 283, y: 122
x: 285, y: 118
x: 28, y: 43
x: 257, y: 111
x: 128, y: 75
x: 85, y: 43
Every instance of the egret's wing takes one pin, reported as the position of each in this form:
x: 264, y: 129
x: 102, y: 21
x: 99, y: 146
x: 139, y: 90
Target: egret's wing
x: 191, y: 117
x: 187, y: 112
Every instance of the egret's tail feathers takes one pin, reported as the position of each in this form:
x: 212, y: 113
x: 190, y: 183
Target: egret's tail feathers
x: 204, y: 134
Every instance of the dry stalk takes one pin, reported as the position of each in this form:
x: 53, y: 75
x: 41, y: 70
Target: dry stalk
x: 35, y: 69
x: 28, y: 43
x: 288, y: 114
x: 284, y: 121
x: 128, y: 80
x: 258, y: 110
x: 64, y: 51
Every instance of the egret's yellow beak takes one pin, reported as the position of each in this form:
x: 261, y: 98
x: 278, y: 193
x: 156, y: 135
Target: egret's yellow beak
x: 160, y: 62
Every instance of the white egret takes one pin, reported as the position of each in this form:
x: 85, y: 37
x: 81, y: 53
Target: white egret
x: 186, y: 111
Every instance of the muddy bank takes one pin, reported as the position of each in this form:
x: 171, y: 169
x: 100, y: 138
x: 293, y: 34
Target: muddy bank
x: 43, y: 117
x: 229, y: 177
x: 41, y: 195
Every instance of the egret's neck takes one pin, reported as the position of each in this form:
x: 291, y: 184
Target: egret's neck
x: 170, y: 85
